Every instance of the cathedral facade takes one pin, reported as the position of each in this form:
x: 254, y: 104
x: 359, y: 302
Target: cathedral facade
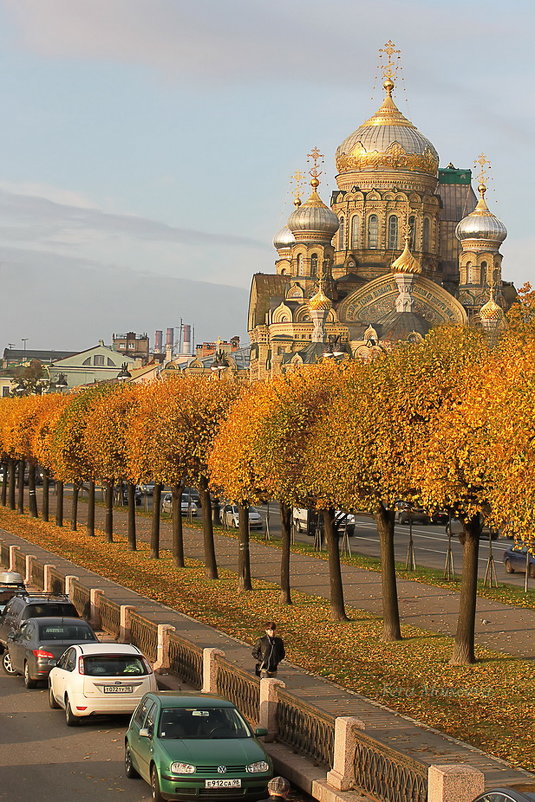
x: 404, y: 246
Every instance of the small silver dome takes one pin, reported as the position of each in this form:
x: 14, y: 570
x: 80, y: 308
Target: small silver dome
x: 283, y: 239
x: 481, y: 223
x: 314, y: 217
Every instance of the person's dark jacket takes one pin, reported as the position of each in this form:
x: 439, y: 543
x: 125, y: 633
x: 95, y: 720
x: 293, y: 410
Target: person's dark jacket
x: 268, y: 652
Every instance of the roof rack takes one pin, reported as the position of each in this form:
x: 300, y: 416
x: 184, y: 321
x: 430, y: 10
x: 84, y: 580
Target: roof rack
x: 46, y: 594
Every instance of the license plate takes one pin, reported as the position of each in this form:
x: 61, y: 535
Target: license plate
x: 222, y: 783
x: 118, y: 689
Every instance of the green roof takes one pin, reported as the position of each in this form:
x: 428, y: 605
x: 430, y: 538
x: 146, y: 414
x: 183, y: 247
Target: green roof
x: 453, y: 175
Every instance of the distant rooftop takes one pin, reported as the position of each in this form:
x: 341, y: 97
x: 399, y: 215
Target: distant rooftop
x: 20, y: 355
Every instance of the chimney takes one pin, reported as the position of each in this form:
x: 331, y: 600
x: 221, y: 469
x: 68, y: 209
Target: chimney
x: 169, y: 337
x: 186, y: 342
x: 158, y: 334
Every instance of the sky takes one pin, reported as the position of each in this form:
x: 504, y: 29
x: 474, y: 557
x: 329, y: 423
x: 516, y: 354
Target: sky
x: 147, y: 145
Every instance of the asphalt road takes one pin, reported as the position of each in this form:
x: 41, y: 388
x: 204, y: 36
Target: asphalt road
x: 42, y: 759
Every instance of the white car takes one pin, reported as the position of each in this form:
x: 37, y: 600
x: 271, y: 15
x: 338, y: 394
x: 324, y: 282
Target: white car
x: 187, y: 505
x: 230, y: 516
x: 99, y: 678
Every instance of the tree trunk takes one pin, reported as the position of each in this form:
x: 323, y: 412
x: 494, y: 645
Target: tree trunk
x: 108, y: 517
x: 286, y: 533
x: 215, y: 510
x: 91, y: 509
x: 210, y: 562
x: 12, y: 485
x: 463, y: 648
x: 244, y: 554
x: 59, y: 503
x: 32, y: 498
x: 384, y: 518
x: 4, y: 482
x: 155, y: 530
x: 178, y: 534
x: 46, y: 494
x: 131, y: 492
x: 338, y: 612
x: 74, y: 507
x: 20, y: 479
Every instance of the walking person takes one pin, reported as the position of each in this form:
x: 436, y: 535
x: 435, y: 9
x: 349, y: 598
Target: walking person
x: 268, y: 652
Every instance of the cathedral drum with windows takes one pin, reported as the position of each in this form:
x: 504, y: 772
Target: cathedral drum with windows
x: 404, y: 246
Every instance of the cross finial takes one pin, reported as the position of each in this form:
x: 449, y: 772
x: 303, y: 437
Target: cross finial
x: 484, y: 167
x: 317, y: 158
x: 389, y: 69
x: 297, y: 178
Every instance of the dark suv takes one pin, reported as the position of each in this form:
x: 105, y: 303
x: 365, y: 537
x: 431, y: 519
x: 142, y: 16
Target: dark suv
x: 33, y: 605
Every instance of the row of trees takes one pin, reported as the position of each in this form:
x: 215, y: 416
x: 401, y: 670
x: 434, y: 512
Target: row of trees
x: 445, y: 423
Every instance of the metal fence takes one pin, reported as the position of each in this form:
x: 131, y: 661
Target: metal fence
x: 240, y: 687
x: 306, y: 729
x: 81, y: 598
x: 185, y: 660
x: 144, y: 635
x: 388, y: 775
x: 38, y: 574
x: 110, y: 616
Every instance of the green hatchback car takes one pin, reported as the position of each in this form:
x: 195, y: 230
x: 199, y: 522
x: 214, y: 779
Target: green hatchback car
x: 187, y: 746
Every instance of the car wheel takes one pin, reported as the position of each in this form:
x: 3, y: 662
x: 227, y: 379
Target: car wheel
x: 6, y: 662
x: 155, y: 785
x: 28, y: 681
x: 70, y: 719
x: 508, y: 567
x: 129, y: 769
x: 52, y: 699
x: 236, y: 524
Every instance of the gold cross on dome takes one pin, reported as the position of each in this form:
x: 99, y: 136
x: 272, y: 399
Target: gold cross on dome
x: 390, y: 68
x: 484, y: 167
x: 297, y: 178
x: 316, y: 157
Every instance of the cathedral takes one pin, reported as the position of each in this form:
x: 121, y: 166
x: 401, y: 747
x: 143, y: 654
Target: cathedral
x: 404, y: 246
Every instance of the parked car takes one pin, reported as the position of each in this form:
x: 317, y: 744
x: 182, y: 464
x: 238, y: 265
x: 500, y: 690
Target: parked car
x: 147, y: 489
x: 11, y: 584
x: 308, y: 521
x: 189, y: 746
x: 99, y: 679
x: 514, y: 560
x: 38, y: 644
x: 440, y: 517
x: 231, y: 517
x: 457, y: 529
x: 405, y: 512
x: 121, y: 494
x: 187, y: 505
x: 20, y: 608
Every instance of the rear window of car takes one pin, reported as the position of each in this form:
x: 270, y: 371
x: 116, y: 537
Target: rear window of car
x: 71, y: 632
x: 115, y: 665
x: 52, y: 609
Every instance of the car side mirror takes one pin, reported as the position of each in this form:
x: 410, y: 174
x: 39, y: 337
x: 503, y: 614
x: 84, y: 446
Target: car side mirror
x: 144, y: 732
x: 260, y: 731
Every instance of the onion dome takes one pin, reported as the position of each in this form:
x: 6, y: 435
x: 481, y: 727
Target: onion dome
x: 313, y: 220
x: 320, y: 301
x: 387, y: 141
x: 491, y: 311
x: 406, y: 263
x: 283, y: 239
x: 481, y: 224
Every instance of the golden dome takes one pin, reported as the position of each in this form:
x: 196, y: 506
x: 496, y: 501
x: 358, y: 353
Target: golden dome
x: 387, y: 141
x: 320, y: 301
x: 491, y: 311
x: 481, y: 224
x: 406, y: 263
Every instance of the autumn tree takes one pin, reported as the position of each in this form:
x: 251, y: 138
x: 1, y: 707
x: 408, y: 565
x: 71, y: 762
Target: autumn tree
x: 9, y: 410
x: 50, y: 409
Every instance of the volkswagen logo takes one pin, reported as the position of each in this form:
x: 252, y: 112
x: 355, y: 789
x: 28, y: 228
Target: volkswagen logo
x: 222, y: 769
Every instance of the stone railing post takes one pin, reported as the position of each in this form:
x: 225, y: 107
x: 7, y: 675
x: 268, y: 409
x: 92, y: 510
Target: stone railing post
x: 342, y: 775
x: 95, y: 595
x: 162, y: 652
x: 209, y: 670
x: 12, y: 554
x: 269, y: 699
x: 47, y: 579
x: 29, y: 565
x: 124, y: 625
x: 456, y: 782
x: 68, y: 584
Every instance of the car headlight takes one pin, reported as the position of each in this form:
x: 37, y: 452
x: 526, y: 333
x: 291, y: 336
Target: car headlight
x: 182, y: 768
x: 255, y: 768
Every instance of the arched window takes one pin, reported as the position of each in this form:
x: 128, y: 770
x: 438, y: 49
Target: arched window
x: 299, y: 263
x: 373, y: 231
x: 412, y: 232
x: 472, y: 273
x: 342, y: 234
x: 283, y: 271
x: 425, y: 235
x: 355, y: 231
x: 314, y: 264
x: 392, y: 232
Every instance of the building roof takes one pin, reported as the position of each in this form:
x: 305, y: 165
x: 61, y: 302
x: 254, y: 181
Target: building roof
x: 18, y: 354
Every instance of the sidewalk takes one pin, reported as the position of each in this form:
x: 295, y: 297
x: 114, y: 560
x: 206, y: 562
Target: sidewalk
x: 498, y: 626
x: 401, y: 733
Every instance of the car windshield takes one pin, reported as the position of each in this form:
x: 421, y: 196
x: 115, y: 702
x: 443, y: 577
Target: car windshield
x: 51, y: 609
x: 72, y: 632
x: 197, y: 723
x: 114, y: 665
